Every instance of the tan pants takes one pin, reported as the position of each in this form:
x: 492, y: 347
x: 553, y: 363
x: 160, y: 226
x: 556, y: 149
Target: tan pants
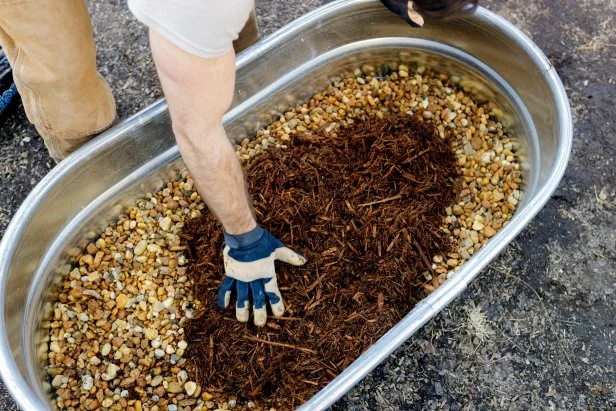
x: 50, y: 46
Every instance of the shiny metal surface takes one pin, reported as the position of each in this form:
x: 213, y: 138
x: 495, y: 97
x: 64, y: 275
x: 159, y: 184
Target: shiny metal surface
x: 84, y: 193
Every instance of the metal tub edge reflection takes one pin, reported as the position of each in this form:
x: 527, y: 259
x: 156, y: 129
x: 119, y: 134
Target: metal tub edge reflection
x: 85, y: 191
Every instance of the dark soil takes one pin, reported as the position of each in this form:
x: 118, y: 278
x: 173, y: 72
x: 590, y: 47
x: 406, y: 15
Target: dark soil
x: 365, y: 208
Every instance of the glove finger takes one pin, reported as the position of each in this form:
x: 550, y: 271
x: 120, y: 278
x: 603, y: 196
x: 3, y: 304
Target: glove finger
x: 273, y: 295
x: 258, y: 302
x: 289, y: 256
x: 260, y: 315
x: 242, y: 313
x: 224, y: 293
x: 242, y: 306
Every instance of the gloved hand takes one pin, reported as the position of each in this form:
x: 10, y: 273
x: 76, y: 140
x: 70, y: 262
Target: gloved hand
x: 404, y: 8
x: 249, y: 266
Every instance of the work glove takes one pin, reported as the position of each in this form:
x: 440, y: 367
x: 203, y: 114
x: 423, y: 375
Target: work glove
x: 404, y: 9
x: 249, y: 266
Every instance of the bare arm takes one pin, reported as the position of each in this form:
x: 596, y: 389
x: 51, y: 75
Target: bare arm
x: 199, y: 91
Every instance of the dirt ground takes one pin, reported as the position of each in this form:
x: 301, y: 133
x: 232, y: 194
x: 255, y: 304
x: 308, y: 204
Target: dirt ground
x: 537, y: 330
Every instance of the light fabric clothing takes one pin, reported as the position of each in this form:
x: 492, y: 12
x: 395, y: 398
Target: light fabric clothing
x: 205, y: 28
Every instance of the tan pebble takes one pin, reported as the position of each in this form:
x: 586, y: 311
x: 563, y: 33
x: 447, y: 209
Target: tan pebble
x: 91, y: 249
x: 489, y: 231
x: 156, y: 381
x: 497, y: 195
x: 121, y: 300
x: 107, y: 402
x: 57, y: 381
x: 55, y: 347
x: 206, y: 396
x: 478, y: 226
x: 174, y: 387
x: 150, y: 333
x: 111, y: 372
x: 92, y: 404
x: 140, y: 247
x: 173, y: 205
x: 476, y: 143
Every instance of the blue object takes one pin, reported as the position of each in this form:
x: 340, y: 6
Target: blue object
x: 255, y: 245
x: 7, y: 97
x: 8, y: 89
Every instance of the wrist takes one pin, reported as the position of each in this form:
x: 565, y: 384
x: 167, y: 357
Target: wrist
x: 241, y: 223
x: 244, y: 240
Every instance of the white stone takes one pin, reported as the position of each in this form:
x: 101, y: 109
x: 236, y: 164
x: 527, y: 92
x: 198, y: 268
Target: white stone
x: 165, y: 223
x: 190, y: 387
x: 106, y: 349
x: 87, y: 382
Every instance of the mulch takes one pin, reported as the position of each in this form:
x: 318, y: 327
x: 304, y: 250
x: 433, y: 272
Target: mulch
x: 366, y: 207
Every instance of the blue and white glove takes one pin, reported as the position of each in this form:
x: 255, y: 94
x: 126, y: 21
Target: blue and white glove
x: 249, y: 266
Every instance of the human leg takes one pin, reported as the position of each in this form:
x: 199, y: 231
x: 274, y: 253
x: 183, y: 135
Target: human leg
x: 51, y: 49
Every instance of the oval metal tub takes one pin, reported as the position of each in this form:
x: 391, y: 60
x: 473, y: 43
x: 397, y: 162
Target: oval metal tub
x: 88, y: 189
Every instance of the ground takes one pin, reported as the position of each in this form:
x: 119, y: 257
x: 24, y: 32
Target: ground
x: 537, y: 330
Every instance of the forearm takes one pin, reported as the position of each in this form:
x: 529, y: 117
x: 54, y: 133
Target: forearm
x: 199, y: 91
x: 218, y: 176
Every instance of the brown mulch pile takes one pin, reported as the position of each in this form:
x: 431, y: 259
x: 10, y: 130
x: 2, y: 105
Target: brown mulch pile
x: 366, y: 208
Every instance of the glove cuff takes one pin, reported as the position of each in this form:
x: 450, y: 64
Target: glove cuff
x: 244, y: 240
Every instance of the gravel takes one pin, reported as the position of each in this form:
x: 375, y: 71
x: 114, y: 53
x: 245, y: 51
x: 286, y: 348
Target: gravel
x: 548, y: 300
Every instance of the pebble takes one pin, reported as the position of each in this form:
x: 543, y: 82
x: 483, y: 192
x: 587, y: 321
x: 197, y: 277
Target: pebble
x: 87, y: 382
x: 54, y: 346
x: 122, y: 300
x: 57, y: 381
x: 190, y: 387
x: 476, y: 143
x: 106, y: 349
x: 112, y: 371
x: 150, y: 333
x: 477, y: 225
x: 141, y: 247
x: 182, y: 376
x: 165, y: 223
x: 175, y: 387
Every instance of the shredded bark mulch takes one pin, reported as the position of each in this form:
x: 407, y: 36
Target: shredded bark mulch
x: 366, y: 208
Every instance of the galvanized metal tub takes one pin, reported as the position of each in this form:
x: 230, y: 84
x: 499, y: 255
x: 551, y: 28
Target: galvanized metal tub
x: 89, y: 188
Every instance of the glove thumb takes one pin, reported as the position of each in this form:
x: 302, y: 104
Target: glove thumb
x: 289, y: 256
